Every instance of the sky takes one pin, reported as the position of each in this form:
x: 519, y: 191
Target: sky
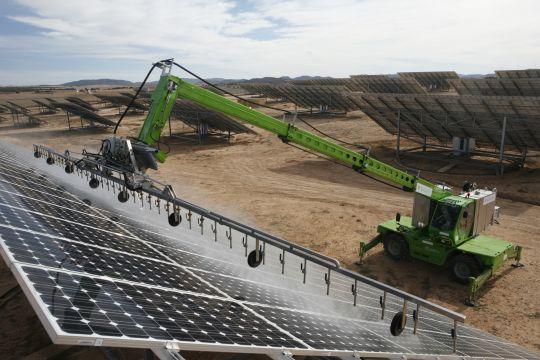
x: 55, y: 41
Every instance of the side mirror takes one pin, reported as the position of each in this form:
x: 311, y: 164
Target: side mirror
x: 398, y: 217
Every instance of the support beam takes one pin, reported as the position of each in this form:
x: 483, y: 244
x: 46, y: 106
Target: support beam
x: 285, y: 355
x: 167, y: 354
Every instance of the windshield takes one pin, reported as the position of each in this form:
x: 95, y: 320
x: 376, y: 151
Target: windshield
x: 446, y: 216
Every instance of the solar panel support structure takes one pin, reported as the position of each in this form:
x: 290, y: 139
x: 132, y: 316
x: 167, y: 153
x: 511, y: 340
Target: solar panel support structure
x: 168, y: 353
x: 500, y: 153
x: 501, y: 147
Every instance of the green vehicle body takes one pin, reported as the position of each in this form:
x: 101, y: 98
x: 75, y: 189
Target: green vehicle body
x: 427, y: 240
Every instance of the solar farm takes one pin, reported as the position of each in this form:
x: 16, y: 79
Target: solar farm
x: 248, y: 245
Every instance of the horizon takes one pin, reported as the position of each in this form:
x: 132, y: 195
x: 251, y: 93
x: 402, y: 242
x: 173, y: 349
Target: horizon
x: 53, y: 42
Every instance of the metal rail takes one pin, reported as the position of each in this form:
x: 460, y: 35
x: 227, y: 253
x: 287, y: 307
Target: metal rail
x: 161, y: 191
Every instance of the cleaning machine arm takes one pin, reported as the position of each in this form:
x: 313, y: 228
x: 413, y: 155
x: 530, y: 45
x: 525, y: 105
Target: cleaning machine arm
x: 289, y: 133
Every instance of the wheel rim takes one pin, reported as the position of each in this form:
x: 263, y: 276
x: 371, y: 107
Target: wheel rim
x: 462, y: 270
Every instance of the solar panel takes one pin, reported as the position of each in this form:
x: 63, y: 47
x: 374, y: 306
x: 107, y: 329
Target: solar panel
x: 263, y: 89
x: 497, y: 86
x: 123, y: 100
x: 432, y: 80
x: 82, y: 112
x: 518, y: 74
x: 194, y: 114
x: 110, y: 280
x: 45, y: 105
x: 81, y: 102
x: 17, y: 110
x: 442, y: 117
x: 324, y: 97
x: 387, y: 84
x: 347, y: 82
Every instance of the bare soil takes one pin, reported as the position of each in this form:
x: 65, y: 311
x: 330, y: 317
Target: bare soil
x: 329, y: 208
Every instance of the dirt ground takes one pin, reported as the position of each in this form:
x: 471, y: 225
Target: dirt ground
x: 329, y: 208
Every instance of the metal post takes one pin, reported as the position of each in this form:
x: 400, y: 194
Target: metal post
x: 501, y: 147
x: 424, y: 145
x: 398, y: 131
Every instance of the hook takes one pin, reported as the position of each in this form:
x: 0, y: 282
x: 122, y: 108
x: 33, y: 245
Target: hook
x: 303, y: 269
x: 214, y: 229
x: 158, y: 205
x: 228, y: 235
x: 327, y: 281
x: 245, y: 243
x: 200, y: 221
x: 354, y: 290
x: 188, y: 216
x: 382, y: 302
x: 282, y: 261
x: 149, y: 200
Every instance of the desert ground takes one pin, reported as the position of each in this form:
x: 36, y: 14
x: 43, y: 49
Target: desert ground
x: 319, y: 204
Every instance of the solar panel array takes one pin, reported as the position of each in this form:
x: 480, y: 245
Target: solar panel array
x: 387, y: 84
x: 497, y: 86
x: 83, y: 112
x: 81, y: 102
x: 194, y: 114
x: 123, y: 100
x: 518, y: 74
x: 347, y: 82
x: 443, y: 117
x: 432, y: 80
x: 328, y: 97
x: 96, y: 277
x: 267, y: 90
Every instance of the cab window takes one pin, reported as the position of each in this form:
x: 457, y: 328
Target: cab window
x: 446, y: 216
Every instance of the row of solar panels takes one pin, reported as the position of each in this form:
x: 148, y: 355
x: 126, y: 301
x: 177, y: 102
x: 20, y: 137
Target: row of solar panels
x: 507, y: 83
x: 443, y: 117
x: 185, y: 110
x: 437, y: 116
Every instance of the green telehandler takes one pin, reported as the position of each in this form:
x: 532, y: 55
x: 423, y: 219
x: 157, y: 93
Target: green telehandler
x: 445, y: 229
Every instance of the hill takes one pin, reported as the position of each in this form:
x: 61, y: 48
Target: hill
x: 93, y: 82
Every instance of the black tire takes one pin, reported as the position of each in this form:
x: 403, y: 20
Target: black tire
x: 123, y: 196
x: 395, y: 246
x: 175, y: 219
x: 463, y: 266
x: 252, y: 258
x: 397, y: 326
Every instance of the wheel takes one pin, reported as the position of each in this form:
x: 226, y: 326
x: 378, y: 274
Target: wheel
x: 50, y: 161
x: 123, y: 196
x: 396, y: 246
x: 252, y: 258
x: 397, y: 325
x: 69, y: 168
x: 37, y: 155
x: 463, y: 266
x: 174, y: 219
x: 93, y: 183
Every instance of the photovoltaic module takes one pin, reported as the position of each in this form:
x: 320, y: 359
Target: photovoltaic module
x: 96, y: 276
